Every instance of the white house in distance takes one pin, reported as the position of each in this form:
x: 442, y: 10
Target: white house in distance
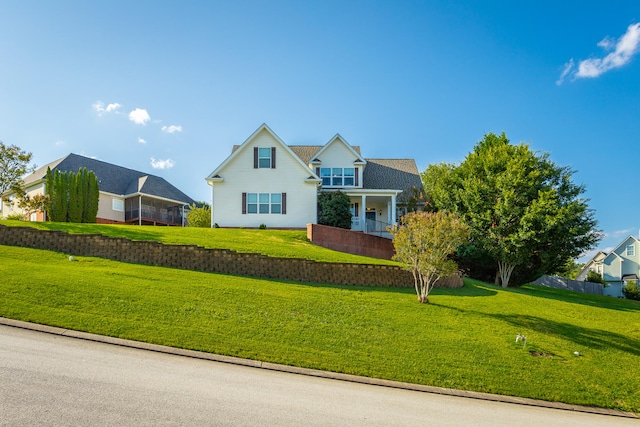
x: 265, y: 181
x: 617, y: 267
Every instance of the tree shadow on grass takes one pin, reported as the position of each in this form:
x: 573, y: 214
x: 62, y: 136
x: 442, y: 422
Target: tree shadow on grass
x: 468, y: 290
x: 587, y: 337
x: 579, y: 298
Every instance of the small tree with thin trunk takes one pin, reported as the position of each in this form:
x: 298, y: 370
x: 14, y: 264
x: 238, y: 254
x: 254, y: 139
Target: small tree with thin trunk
x: 424, y: 243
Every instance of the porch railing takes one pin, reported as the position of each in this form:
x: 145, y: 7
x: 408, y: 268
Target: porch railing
x: 379, y: 228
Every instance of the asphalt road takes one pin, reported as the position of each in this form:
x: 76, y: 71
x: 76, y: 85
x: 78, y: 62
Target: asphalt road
x: 55, y: 380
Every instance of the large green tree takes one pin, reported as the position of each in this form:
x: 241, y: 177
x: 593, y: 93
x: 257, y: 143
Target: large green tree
x: 526, y: 216
x: 14, y: 164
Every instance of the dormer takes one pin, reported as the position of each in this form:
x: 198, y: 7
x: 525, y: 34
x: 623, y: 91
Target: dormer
x: 338, y: 164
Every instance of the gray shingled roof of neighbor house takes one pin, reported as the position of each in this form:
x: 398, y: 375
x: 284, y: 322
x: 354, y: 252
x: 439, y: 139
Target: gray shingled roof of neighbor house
x: 115, y: 179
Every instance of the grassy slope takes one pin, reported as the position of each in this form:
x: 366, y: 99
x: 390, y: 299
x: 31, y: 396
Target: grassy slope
x: 276, y: 243
x: 465, y: 339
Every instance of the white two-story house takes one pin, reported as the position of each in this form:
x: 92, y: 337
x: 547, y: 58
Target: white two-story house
x: 620, y: 265
x: 265, y: 181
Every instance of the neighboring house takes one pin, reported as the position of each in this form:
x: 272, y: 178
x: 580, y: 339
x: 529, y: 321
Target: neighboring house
x: 617, y: 267
x: 265, y: 181
x: 126, y: 195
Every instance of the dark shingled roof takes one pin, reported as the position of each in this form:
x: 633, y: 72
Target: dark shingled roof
x: 397, y: 174
x: 306, y: 152
x: 115, y: 179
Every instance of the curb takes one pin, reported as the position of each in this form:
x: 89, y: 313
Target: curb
x: 310, y: 372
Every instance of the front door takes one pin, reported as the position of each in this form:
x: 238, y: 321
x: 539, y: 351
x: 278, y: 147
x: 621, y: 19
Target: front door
x: 371, y: 220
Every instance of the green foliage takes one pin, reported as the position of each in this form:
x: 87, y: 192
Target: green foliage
x: 199, y: 216
x: 594, y: 277
x: 413, y: 200
x: 76, y: 202
x: 525, y: 214
x: 15, y: 217
x: 424, y: 243
x: 334, y: 209
x: 37, y: 203
x: 14, y: 164
x: 73, y: 196
x: 631, y: 290
x: 263, y: 227
x: 570, y: 269
x: 339, y: 328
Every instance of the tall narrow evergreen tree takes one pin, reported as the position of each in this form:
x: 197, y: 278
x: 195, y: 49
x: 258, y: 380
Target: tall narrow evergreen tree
x: 91, y: 198
x: 76, y: 202
x: 50, y: 192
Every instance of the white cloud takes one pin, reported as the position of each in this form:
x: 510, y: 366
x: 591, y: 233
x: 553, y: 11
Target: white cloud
x: 171, y: 129
x: 141, y: 140
x: 99, y: 107
x: 112, y: 107
x: 139, y: 116
x: 621, y: 52
x: 59, y: 143
x: 565, y: 72
x: 162, y: 164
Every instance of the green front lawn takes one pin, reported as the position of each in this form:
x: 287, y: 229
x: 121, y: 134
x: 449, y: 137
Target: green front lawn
x: 275, y: 243
x: 465, y: 339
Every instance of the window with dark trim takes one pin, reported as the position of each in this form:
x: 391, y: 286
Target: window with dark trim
x: 264, y: 157
x: 264, y: 203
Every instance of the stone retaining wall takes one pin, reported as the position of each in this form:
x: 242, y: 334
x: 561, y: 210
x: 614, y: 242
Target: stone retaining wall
x: 191, y: 257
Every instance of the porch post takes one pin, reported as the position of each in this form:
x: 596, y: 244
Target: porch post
x: 393, y: 210
x: 140, y: 209
x: 363, y: 212
x: 212, y: 206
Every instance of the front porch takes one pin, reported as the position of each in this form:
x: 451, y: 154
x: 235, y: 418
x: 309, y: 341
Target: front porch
x: 373, y: 211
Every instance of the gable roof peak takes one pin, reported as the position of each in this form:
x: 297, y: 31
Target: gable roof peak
x: 337, y: 137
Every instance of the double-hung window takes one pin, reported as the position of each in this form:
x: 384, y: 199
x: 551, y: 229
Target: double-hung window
x: 631, y: 250
x: 276, y: 203
x: 349, y: 174
x: 264, y: 158
x: 252, y: 203
x: 325, y: 174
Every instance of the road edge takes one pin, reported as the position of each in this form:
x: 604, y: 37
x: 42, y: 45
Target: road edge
x: 310, y: 372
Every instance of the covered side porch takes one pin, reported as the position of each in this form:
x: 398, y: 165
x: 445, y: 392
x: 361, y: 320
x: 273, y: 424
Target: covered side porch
x: 144, y: 210
x: 373, y: 210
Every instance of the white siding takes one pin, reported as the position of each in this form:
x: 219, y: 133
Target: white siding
x: 9, y: 209
x: 337, y: 155
x: 288, y: 177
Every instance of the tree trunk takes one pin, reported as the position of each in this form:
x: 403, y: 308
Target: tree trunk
x: 505, y: 273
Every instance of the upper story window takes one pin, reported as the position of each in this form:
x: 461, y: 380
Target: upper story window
x: 264, y: 157
x: 631, y: 250
x: 338, y: 177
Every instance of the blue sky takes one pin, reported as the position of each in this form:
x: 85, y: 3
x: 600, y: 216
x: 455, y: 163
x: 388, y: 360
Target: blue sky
x: 169, y: 87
